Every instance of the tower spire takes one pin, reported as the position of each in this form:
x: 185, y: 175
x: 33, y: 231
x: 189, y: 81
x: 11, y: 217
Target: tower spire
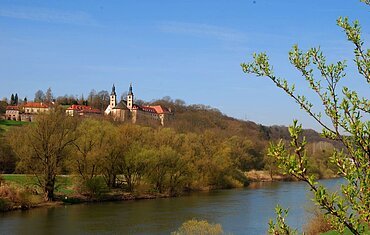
x: 113, y: 98
x: 113, y: 90
x: 130, y: 89
x: 130, y: 98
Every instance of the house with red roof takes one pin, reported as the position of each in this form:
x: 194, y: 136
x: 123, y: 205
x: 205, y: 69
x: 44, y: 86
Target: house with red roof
x: 26, y: 111
x: 82, y: 110
x: 12, y: 113
x: 35, y: 107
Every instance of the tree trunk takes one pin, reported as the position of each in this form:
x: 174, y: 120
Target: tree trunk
x: 49, y: 188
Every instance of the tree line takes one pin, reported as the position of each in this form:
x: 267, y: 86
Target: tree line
x: 200, y: 148
x: 96, y: 99
x: 127, y: 156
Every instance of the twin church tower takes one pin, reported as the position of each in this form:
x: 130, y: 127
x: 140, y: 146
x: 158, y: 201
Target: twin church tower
x: 113, y: 98
x: 127, y: 109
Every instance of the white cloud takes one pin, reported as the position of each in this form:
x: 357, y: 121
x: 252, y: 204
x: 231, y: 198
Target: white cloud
x: 48, y: 15
x: 202, y: 30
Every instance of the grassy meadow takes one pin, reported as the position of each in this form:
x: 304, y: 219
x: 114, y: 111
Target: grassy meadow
x: 64, y: 184
x: 5, y: 125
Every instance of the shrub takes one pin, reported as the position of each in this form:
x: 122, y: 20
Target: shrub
x: 198, y: 227
x: 94, y: 187
x: 317, y: 224
x: 17, y: 197
x: 8, y: 192
x: 5, y: 205
x: 26, y: 200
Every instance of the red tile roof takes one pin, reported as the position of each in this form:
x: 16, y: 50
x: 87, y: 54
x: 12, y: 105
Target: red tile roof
x: 12, y: 107
x: 83, y: 109
x: 148, y: 109
x: 96, y: 111
x: 158, y: 109
x: 35, y: 105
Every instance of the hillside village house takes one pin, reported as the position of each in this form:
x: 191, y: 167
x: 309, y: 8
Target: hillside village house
x: 12, y: 113
x: 127, y: 109
x: 26, y: 111
x: 82, y: 110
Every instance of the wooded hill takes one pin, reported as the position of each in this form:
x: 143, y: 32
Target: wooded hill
x: 201, y: 118
x: 198, y: 118
x: 247, y: 140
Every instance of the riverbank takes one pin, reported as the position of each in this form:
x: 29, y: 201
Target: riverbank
x: 20, y: 199
x: 266, y: 176
x: 18, y: 192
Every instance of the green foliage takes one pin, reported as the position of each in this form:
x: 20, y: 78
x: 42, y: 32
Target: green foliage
x: 111, y: 155
x: 202, y: 150
x: 346, y: 231
x: 94, y: 187
x: 134, y: 166
x: 280, y: 227
x: 3, y: 105
x: 160, y: 163
x: 135, y: 154
x: 7, y: 157
x: 319, y: 163
x: 43, y: 147
x: 93, y: 136
x: 199, y: 227
x: 348, y: 114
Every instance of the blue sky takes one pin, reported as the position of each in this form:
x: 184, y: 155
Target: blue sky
x: 190, y: 50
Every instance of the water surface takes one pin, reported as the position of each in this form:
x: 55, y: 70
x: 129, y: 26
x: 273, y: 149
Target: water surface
x: 240, y: 211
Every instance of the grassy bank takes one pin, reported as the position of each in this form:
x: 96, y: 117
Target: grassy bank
x: 64, y: 184
x: 21, y: 191
x: 265, y: 176
x: 18, y: 191
x: 5, y: 125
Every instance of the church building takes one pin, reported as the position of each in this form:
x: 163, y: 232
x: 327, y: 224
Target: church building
x: 127, y: 110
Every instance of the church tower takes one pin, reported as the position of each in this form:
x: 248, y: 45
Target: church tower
x: 130, y: 98
x: 113, y: 98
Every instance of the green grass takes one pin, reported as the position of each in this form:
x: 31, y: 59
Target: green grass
x: 5, y: 125
x: 21, y: 180
x: 64, y: 184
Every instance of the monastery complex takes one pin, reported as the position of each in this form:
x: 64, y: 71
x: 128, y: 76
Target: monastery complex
x: 123, y: 111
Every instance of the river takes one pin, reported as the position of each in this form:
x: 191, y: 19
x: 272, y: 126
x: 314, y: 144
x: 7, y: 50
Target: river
x: 239, y: 211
